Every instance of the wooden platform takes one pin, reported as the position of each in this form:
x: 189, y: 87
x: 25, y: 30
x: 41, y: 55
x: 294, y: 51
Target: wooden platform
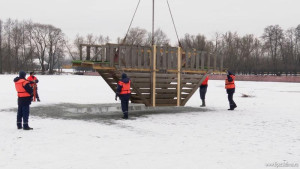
x: 159, y: 75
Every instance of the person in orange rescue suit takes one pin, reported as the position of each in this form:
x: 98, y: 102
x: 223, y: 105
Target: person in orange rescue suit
x: 33, y: 83
x: 230, y: 89
x: 203, y: 90
x: 123, y: 91
x: 25, y: 94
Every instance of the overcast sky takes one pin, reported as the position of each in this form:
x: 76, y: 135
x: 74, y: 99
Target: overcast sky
x: 112, y: 17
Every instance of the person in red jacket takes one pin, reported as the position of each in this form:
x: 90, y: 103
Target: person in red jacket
x: 123, y: 91
x: 24, y: 100
x: 33, y: 83
x: 203, y: 90
x: 230, y: 89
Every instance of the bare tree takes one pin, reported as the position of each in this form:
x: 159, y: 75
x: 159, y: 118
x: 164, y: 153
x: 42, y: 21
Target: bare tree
x: 160, y: 38
x: 136, y: 36
x: 55, y: 43
x: 273, y: 36
x: 8, y: 59
x: 38, y: 34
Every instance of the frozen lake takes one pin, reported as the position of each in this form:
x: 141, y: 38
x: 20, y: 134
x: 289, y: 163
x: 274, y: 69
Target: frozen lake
x: 71, y: 132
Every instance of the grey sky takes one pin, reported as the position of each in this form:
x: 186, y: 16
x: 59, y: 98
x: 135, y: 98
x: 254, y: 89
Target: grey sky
x: 112, y: 17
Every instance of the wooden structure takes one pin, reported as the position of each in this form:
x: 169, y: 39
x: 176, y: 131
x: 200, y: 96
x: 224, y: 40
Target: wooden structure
x: 160, y: 76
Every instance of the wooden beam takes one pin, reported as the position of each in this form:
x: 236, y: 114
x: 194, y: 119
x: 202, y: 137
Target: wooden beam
x: 153, y: 82
x: 178, y: 76
x: 140, y: 94
x: 194, y: 90
x: 80, y: 52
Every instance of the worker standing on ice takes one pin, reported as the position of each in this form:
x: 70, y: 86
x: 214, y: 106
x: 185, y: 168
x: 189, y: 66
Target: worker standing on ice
x: 123, y: 91
x: 25, y: 94
x: 203, y: 90
x: 33, y: 83
x: 230, y: 89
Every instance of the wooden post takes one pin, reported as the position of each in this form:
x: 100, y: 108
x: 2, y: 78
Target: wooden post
x: 88, y: 53
x: 80, y: 51
x: 96, y: 51
x: 153, y: 76
x: 178, y: 76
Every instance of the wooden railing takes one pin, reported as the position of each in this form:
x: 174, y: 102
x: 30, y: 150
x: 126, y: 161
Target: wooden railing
x: 140, y: 57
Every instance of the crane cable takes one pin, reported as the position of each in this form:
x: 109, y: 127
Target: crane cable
x: 174, y: 24
x: 131, y: 22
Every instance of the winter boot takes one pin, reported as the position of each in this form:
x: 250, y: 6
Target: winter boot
x: 203, y: 103
x: 231, y: 107
x: 26, y: 127
x: 19, y: 125
x: 38, y: 99
x: 125, y: 115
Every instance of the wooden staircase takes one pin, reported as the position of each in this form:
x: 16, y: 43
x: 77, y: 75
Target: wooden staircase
x: 159, y: 75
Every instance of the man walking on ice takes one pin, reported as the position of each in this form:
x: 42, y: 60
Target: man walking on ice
x: 123, y: 91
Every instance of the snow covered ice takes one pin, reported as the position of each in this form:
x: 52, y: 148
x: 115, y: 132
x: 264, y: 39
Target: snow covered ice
x: 264, y: 129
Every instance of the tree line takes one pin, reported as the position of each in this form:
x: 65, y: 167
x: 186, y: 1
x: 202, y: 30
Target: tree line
x: 25, y: 44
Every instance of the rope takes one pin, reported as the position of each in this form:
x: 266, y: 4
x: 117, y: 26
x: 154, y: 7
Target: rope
x: 131, y: 22
x: 174, y: 24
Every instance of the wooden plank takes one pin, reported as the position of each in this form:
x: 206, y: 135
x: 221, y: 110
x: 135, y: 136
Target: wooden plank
x: 135, y: 74
x: 102, y: 54
x: 186, y: 76
x: 166, y: 90
x: 92, y: 45
x: 161, y: 105
x: 187, y: 59
x: 127, y: 56
x: 193, y: 58
x: 169, y: 59
x: 158, y: 85
x: 163, y: 75
x: 190, y: 80
x: 145, y: 101
x: 88, y: 53
x: 145, y: 58
x: 133, y: 57
x: 143, y: 85
x: 121, y: 56
x: 153, y: 82
x: 158, y: 58
x: 139, y: 57
x: 166, y: 80
x: 158, y: 96
x: 179, y: 76
x: 175, y: 60
x: 164, y: 58
x: 166, y: 101
x: 80, y: 52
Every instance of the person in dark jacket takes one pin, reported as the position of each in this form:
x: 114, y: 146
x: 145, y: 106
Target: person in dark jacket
x: 203, y: 90
x: 230, y: 89
x: 123, y: 91
x: 25, y: 94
